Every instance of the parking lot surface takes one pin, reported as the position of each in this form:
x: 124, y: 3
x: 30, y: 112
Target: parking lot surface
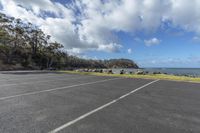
x: 71, y: 103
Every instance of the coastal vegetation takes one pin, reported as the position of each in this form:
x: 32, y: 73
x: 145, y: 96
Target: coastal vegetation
x: 138, y: 75
x: 25, y: 46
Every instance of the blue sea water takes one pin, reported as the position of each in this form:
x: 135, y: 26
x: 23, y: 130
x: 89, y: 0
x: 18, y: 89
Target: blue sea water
x: 175, y: 71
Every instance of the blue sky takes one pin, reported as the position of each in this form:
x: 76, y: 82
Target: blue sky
x: 174, y: 50
x: 153, y: 33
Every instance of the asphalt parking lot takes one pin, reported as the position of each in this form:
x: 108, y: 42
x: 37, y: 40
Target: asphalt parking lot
x: 70, y: 103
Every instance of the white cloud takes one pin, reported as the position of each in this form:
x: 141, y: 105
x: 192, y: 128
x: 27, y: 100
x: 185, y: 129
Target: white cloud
x: 185, y: 14
x: 196, y: 39
x: 93, y: 24
x: 152, y: 41
x: 112, y: 47
x: 129, y: 51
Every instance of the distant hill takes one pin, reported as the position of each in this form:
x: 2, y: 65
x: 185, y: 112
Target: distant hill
x: 120, y: 63
x: 75, y: 62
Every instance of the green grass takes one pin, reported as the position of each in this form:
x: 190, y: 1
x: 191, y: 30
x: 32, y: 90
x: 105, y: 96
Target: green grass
x: 148, y: 76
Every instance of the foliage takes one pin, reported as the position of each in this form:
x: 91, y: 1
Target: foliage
x: 25, y: 44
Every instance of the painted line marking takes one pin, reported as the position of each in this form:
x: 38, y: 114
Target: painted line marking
x: 33, y: 77
x: 24, y: 77
x: 33, y: 82
x: 99, y: 108
x: 55, y: 89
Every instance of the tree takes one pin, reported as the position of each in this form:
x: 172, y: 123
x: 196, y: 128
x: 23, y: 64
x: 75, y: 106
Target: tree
x: 53, y: 53
x: 25, y: 44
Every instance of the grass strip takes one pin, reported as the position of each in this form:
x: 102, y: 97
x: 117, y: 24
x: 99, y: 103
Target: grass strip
x: 147, y: 76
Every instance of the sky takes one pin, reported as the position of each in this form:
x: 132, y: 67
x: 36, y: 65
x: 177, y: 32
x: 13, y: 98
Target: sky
x: 153, y: 33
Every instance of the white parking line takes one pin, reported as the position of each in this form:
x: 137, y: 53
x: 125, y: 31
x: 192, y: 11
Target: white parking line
x: 25, y: 78
x: 98, y: 109
x: 43, y: 81
x: 59, y: 88
x: 15, y: 78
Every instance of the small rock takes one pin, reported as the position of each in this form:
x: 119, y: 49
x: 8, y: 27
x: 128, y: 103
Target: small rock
x: 130, y: 72
x: 100, y: 70
x: 110, y: 71
x: 140, y: 72
x: 122, y: 71
x: 156, y: 72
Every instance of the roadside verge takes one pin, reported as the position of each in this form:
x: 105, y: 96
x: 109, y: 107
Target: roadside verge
x: 147, y: 76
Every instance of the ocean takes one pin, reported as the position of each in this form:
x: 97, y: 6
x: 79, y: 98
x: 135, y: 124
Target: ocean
x: 175, y: 71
